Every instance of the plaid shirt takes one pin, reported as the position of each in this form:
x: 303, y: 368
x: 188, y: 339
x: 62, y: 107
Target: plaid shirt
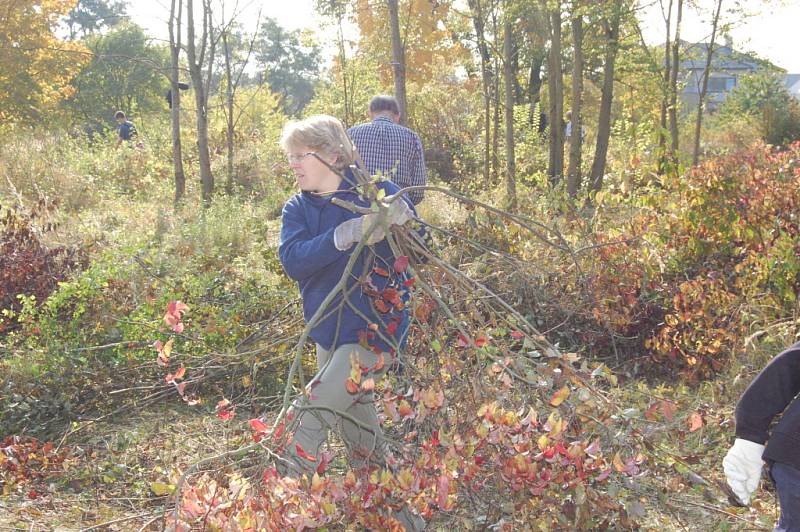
x: 393, y: 151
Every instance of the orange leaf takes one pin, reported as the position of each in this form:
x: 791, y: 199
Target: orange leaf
x: 668, y: 408
x: 258, y: 425
x: 368, y: 385
x: 180, y: 373
x: 352, y: 387
x: 559, y: 396
x: 695, y: 421
x: 442, y: 490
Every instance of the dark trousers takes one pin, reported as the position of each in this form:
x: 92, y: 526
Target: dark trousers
x: 787, y: 483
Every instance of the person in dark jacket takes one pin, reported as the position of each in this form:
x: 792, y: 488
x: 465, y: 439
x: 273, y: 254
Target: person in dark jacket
x: 355, y: 335
x: 126, y: 130
x: 771, y: 393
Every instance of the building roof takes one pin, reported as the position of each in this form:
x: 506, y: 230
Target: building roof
x: 725, y: 57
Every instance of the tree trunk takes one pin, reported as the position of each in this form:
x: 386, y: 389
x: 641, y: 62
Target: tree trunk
x: 495, y: 123
x: 496, y: 102
x: 535, y: 86
x: 175, y: 111
x: 398, y: 61
x: 576, y: 121
x: 486, y: 82
x: 196, y: 60
x: 706, y: 74
x: 343, y: 60
x: 662, y: 133
x: 673, y: 87
x: 509, y: 75
x: 555, y: 86
x: 229, y: 131
x: 611, y: 29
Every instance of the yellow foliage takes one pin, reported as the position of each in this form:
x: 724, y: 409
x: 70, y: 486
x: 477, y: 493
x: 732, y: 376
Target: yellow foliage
x: 36, y: 66
x: 423, y: 31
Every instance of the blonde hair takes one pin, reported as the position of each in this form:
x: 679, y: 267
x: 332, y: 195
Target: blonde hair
x: 321, y: 133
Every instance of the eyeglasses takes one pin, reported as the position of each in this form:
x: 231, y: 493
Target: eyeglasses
x: 296, y: 158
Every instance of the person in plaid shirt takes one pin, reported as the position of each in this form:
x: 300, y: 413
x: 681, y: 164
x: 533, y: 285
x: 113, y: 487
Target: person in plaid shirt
x: 390, y: 149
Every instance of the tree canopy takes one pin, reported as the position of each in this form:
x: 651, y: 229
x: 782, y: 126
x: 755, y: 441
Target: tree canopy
x: 36, y: 66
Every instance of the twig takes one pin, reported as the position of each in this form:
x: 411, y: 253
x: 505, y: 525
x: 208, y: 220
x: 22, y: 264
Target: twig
x: 120, y: 520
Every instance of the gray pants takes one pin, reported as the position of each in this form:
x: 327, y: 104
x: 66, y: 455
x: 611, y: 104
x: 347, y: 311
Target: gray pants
x: 327, y: 397
x: 360, y: 429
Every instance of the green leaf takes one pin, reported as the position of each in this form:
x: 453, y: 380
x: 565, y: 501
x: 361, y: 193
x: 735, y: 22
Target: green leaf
x: 160, y: 489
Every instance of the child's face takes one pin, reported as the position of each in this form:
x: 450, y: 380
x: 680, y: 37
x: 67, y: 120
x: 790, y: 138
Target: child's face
x: 311, y: 174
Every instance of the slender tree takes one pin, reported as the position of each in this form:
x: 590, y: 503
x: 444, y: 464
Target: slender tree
x: 508, y: 77
x: 662, y: 132
x: 703, y: 91
x: 555, y: 86
x: 576, y: 120
x: 398, y: 61
x: 610, y: 25
x: 478, y: 21
x: 175, y: 12
x: 673, y: 86
x: 198, y: 53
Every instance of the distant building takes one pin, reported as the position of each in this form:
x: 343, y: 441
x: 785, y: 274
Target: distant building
x: 793, y: 85
x: 727, y: 66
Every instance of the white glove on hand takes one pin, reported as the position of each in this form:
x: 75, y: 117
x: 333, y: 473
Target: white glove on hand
x: 742, y: 466
x: 353, y: 230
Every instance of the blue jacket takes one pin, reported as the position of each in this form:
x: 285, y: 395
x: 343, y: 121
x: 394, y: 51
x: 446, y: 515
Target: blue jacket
x: 310, y: 257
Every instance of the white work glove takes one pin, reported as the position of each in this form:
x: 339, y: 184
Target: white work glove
x: 742, y: 466
x: 353, y: 230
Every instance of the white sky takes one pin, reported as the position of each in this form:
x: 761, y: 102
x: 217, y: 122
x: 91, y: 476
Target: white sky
x: 291, y: 14
x: 772, y: 33
x: 770, y: 29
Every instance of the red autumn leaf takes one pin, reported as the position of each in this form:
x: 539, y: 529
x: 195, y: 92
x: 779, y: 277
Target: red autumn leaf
x: 352, y: 387
x: 391, y: 296
x: 480, y: 341
x: 391, y: 328
x: 324, y: 460
x: 380, y: 271
x: 410, y: 282
x: 401, y: 263
x: 181, y: 387
x: 226, y: 415
x: 180, y: 373
x: 169, y: 378
x: 516, y: 335
x: 178, y: 328
x: 368, y: 385
x: 303, y: 454
x: 258, y: 425
x: 382, y: 307
x: 462, y: 341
